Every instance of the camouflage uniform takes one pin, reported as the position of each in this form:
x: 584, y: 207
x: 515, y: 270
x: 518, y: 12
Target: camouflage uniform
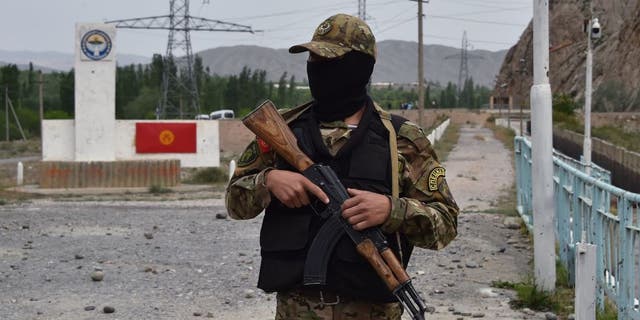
x: 425, y: 211
x: 292, y: 305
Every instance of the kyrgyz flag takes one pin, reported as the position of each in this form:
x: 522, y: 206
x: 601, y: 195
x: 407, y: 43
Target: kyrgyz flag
x: 165, y: 137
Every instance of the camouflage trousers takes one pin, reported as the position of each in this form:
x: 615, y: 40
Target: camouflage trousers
x: 295, y: 306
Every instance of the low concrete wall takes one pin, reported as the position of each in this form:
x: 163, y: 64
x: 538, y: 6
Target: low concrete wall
x: 59, y: 143
x: 623, y: 164
x: 109, y: 174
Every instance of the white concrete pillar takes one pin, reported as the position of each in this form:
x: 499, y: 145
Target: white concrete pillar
x: 585, y: 301
x: 95, y: 92
x: 20, y: 174
x: 542, y: 153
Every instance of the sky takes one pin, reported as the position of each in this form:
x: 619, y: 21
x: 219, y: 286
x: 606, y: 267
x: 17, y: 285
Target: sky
x: 46, y: 25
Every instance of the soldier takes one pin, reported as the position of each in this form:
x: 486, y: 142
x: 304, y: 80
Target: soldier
x: 342, y: 127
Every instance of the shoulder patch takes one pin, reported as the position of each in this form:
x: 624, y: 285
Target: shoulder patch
x: 249, y: 155
x: 433, y: 177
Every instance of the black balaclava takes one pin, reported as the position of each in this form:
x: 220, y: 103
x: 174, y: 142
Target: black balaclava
x: 339, y: 86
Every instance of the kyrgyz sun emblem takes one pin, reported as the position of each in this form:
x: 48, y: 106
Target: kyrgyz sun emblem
x: 96, y: 44
x: 167, y: 137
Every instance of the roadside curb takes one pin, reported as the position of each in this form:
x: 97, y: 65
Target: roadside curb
x: 35, y: 189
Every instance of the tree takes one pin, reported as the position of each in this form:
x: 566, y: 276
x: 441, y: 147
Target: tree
x: 448, y: 96
x: 282, y: 90
x: 155, y: 71
x: 467, y: 95
x: 291, y: 92
x: 231, y: 93
x: 67, y: 92
x: 10, y: 82
x: 127, y: 88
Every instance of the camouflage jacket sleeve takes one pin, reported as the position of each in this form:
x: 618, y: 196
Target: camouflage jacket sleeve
x: 246, y: 194
x: 425, y: 211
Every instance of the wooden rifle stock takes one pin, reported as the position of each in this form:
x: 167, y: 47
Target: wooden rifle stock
x: 268, y: 125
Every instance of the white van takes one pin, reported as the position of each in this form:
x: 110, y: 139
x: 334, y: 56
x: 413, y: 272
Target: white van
x: 202, y: 117
x: 222, y: 114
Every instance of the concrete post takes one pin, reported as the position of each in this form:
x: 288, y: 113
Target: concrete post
x: 20, y: 174
x: 585, y: 301
x: 542, y: 153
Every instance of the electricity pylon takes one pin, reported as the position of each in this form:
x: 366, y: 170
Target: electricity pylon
x: 362, y: 9
x: 179, y: 86
x: 463, y: 72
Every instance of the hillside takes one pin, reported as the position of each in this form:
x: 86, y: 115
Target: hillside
x: 56, y: 61
x: 616, y: 73
x: 397, y: 62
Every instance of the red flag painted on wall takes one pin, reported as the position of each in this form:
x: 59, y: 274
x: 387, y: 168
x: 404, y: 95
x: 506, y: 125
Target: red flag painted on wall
x: 165, y: 137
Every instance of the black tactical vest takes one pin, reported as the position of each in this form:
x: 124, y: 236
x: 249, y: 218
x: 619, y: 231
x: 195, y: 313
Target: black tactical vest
x: 286, y: 234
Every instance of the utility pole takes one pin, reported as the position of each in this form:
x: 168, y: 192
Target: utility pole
x: 586, y: 148
x: 420, y: 63
x: 593, y: 30
x: 41, y: 97
x: 6, y: 109
x: 522, y: 71
x: 542, y: 153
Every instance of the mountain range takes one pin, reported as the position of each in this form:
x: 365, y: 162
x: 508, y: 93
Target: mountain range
x: 396, y: 62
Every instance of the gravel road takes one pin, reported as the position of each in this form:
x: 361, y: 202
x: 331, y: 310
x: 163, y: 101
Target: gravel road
x: 170, y: 257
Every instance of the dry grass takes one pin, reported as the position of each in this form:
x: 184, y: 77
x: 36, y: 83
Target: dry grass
x: 447, y: 142
x: 19, y: 148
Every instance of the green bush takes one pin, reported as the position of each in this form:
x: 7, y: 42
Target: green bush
x: 533, y: 298
x: 156, y: 189
x: 57, y: 114
x: 563, y: 104
x: 618, y: 136
x: 609, y: 312
x: 210, y: 175
x: 563, y: 113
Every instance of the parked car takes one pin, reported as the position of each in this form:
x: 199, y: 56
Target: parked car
x: 202, y: 117
x: 222, y: 114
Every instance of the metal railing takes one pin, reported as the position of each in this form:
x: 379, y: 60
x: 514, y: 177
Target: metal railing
x: 589, y: 209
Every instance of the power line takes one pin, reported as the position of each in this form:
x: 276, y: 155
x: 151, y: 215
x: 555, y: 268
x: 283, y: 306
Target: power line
x: 396, y: 25
x: 449, y: 38
x: 475, y: 21
x: 474, y: 4
x: 292, y: 12
x: 490, y: 11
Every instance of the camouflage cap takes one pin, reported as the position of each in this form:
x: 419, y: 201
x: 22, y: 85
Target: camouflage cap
x: 338, y: 35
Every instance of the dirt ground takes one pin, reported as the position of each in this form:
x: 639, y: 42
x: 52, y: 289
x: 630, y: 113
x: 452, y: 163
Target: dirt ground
x: 167, y: 256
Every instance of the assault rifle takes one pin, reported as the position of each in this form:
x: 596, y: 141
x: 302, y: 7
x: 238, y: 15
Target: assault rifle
x: 268, y: 125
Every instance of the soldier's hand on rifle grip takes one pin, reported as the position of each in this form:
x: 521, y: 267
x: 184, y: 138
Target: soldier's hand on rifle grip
x: 292, y: 188
x: 366, y: 209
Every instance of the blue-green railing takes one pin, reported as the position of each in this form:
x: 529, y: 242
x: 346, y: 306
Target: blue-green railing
x: 589, y: 209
